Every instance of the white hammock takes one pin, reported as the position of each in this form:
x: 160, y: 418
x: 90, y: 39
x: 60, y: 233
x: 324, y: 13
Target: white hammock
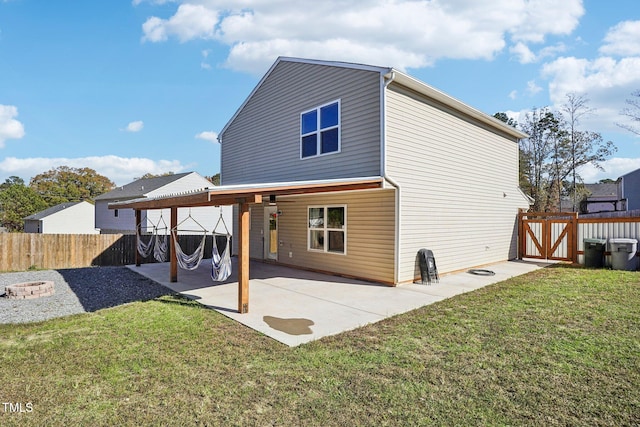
x: 144, y: 249
x: 189, y: 261
x: 160, y: 248
x: 186, y: 261
x: 220, y: 264
x: 156, y: 243
x: 161, y: 244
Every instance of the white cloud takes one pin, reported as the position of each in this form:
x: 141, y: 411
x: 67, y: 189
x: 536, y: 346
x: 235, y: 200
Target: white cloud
x: 10, y: 128
x: 204, y: 64
x: 532, y: 87
x: 537, y: 18
x: 523, y: 53
x: 402, y: 33
x: 121, y: 170
x: 513, y: 94
x: 208, y: 136
x: 191, y: 21
x: 135, y: 126
x: 607, y: 83
x: 613, y: 169
x: 623, y: 39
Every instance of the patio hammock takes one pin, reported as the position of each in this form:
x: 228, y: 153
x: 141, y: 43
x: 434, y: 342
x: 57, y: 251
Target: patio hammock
x: 220, y: 264
x: 189, y: 261
x: 155, y: 244
x: 161, y: 243
x: 144, y: 249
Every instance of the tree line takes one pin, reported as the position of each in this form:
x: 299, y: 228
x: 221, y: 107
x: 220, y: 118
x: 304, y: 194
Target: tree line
x: 59, y: 185
x: 62, y: 184
x: 550, y: 158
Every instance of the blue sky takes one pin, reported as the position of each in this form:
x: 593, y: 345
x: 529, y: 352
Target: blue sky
x: 129, y: 87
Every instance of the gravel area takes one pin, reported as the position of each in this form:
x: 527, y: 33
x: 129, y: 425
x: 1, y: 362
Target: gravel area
x: 77, y: 290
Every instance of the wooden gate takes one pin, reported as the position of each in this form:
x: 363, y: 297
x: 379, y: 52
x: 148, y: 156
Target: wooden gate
x: 546, y: 235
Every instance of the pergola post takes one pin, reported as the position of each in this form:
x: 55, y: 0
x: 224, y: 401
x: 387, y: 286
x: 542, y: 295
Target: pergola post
x: 243, y: 257
x: 138, y: 234
x: 173, y: 258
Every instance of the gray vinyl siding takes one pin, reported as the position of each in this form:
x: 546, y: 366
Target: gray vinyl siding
x: 458, y: 182
x: 369, y: 242
x: 109, y: 223
x: 631, y: 189
x: 256, y: 225
x: 262, y: 143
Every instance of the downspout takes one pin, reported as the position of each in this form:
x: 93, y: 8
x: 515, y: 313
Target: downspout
x: 383, y: 166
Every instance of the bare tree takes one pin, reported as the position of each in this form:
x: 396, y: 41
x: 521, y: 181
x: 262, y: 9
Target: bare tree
x: 584, y: 147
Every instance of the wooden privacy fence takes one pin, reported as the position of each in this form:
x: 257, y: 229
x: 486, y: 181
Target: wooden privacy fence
x: 560, y: 236
x: 21, y: 251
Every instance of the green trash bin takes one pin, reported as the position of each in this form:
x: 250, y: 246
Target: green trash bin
x: 594, y: 252
x: 623, y: 254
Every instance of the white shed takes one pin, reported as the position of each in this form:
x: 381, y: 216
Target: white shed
x: 65, y: 218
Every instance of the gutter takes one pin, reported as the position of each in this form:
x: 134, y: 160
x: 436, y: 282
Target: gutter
x: 389, y: 77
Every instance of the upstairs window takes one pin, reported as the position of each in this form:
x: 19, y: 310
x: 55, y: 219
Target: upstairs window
x: 320, y: 130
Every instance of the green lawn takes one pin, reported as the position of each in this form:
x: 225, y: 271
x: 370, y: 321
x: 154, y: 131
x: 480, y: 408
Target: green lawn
x: 560, y: 346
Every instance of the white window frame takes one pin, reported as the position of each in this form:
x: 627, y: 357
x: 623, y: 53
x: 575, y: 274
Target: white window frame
x: 327, y: 229
x: 318, y: 130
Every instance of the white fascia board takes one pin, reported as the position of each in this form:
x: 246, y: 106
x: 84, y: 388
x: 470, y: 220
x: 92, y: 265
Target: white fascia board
x: 433, y: 93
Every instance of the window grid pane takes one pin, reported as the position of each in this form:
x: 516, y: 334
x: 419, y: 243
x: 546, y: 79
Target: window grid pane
x: 329, y: 141
x: 327, y: 229
x: 336, y: 241
x: 309, y: 145
x: 329, y: 116
x: 309, y: 122
x: 322, y: 126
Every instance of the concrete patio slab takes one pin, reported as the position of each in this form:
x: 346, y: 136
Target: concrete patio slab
x: 297, y: 306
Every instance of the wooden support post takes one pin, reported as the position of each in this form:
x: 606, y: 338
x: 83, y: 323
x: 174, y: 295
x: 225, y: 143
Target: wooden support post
x: 173, y: 258
x: 138, y: 234
x: 243, y: 258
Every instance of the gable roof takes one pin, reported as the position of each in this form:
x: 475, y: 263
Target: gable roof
x: 140, y: 187
x: 603, y: 190
x: 52, y: 210
x: 391, y: 75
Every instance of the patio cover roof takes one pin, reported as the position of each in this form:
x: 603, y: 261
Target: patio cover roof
x: 243, y: 195
x: 247, y: 193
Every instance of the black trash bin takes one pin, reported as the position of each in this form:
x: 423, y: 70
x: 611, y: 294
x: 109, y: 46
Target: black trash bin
x: 428, y: 269
x: 594, y: 252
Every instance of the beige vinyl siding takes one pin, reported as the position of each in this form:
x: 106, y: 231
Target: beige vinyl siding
x: 370, y: 234
x: 458, y: 181
x: 262, y: 144
x: 256, y: 225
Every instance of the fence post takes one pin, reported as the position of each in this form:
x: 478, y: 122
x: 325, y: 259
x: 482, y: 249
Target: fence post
x: 574, y: 237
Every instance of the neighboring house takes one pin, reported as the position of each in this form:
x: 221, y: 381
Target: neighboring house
x: 65, y: 218
x: 448, y: 172
x: 123, y: 220
x: 630, y: 187
x: 603, y: 197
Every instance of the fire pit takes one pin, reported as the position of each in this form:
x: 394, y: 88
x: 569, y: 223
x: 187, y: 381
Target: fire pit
x: 29, y: 290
